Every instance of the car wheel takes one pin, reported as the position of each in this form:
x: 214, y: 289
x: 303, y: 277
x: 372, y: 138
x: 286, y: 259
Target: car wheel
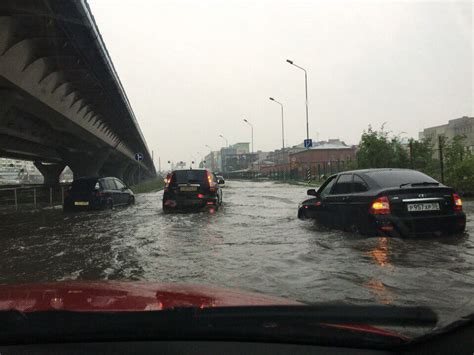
x: 110, y: 204
x: 131, y: 200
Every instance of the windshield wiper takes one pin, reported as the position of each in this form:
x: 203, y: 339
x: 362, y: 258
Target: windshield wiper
x: 424, y: 183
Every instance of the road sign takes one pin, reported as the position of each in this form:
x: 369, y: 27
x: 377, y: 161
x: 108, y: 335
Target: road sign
x: 139, y: 156
x: 308, y: 143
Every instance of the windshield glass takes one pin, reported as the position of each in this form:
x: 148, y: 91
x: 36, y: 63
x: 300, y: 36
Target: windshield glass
x: 157, y: 155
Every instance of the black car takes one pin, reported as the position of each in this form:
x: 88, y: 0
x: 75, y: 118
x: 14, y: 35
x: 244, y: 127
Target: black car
x: 97, y: 193
x: 191, y: 189
x: 391, y: 202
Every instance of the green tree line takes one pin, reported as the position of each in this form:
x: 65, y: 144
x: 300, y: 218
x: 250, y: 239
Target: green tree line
x: 381, y: 149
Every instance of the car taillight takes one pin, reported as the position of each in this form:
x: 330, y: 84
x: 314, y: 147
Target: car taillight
x: 457, y: 202
x: 212, y: 185
x: 380, y: 206
x: 99, y: 193
x: 168, y: 182
x: 200, y: 196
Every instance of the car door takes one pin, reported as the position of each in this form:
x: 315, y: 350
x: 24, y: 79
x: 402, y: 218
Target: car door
x: 358, y: 204
x: 321, y: 208
x: 338, y: 202
x: 114, y: 193
x: 122, y: 192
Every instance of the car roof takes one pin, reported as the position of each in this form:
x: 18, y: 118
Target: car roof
x: 95, y: 178
x: 366, y: 171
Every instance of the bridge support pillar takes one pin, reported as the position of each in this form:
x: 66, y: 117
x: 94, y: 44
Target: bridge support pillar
x: 129, y: 175
x: 85, y: 164
x: 50, y: 172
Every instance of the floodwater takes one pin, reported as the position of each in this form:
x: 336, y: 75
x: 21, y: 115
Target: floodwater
x: 254, y: 242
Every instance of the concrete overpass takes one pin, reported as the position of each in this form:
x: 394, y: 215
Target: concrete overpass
x: 61, y: 100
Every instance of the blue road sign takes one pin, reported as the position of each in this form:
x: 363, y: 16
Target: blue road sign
x: 139, y: 156
x: 308, y: 143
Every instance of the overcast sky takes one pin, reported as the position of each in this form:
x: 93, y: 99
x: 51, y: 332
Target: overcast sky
x: 194, y: 69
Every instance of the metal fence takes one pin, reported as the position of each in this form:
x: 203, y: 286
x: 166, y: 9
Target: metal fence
x: 307, y: 171
x: 314, y: 171
x: 31, y: 197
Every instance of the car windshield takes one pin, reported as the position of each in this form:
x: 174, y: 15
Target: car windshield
x: 397, y: 178
x: 162, y: 155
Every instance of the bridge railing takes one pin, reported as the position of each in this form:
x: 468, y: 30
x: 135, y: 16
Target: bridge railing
x: 31, y: 197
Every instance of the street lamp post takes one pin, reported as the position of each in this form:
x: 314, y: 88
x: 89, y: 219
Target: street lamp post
x: 226, y: 141
x: 306, y: 90
x: 282, y: 123
x: 251, y: 126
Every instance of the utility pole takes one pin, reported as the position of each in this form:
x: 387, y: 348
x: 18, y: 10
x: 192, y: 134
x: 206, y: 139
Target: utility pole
x: 440, y: 151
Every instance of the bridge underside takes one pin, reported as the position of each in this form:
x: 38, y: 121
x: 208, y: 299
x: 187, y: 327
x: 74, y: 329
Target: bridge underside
x: 61, y: 102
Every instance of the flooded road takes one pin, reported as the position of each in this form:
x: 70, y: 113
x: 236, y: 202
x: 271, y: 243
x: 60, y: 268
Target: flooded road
x: 255, y: 242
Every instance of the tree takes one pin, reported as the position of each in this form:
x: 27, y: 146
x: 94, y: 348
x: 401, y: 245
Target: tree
x: 461, y: 175
x: 454, y: 151
x: 422, y: 157
x: 459, y: 169
x: 378, y: 150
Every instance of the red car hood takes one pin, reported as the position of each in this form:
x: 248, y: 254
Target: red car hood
x: 140, y: 296
x: 125, y: 296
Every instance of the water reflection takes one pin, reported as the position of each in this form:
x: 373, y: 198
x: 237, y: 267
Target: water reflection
x: 379, y: 254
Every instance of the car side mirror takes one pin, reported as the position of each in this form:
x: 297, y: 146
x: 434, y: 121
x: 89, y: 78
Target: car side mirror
x: 220, y: 181
x: 312, y: 192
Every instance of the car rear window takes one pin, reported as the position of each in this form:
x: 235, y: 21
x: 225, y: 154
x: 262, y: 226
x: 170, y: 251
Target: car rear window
x: 189, y: 176
x: 394, y: 178
x: 84, y: 185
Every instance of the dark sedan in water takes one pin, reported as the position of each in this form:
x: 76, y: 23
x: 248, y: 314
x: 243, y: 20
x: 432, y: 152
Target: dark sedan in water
x: 91, y: 193
x: 391, y: 202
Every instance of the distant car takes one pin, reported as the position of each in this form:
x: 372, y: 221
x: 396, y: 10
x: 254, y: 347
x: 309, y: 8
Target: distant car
x: 97, y: 193
x: 191, y: 189
x: 392, y: 202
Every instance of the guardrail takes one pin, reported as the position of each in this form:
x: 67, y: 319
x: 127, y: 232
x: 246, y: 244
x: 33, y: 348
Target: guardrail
x: 31, y: 197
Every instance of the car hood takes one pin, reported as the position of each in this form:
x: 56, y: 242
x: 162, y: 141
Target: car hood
x: 125, y: 296
x: 140, y: 296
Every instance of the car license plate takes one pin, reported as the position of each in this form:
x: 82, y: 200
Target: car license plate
x: 420, y: 207
x: 188, y: 188
x: 81, y: 203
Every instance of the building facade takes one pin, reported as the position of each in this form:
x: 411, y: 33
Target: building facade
x: 323, y: 159
x: 463, y: 126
